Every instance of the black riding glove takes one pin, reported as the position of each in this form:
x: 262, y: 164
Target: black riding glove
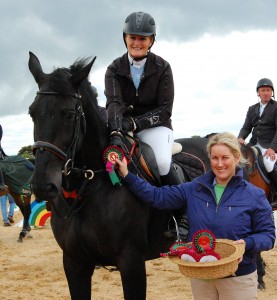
x: 116, y: 139
x: 128, y: 124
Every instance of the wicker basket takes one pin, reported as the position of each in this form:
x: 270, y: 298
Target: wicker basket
x: 226, y: 266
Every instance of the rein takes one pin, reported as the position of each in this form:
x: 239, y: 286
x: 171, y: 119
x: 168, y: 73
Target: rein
x: 245, y: 152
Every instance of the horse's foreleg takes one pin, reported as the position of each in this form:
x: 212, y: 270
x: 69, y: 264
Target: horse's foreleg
x: 260, y: 271
x: 133, y: 275
x: 26, y: 211
x: 78, y: 276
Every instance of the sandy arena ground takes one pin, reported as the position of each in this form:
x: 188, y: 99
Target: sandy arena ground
x: 33, y: 270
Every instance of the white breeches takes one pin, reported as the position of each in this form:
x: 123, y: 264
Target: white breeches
x: 161, y: 141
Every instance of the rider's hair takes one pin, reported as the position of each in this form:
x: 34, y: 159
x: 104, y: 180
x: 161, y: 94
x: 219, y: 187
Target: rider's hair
x: 228, y: 139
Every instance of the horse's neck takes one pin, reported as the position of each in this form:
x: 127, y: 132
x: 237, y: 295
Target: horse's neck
x: 96, y: 140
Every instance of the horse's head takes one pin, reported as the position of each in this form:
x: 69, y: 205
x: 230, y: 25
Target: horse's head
x: 59, y: 124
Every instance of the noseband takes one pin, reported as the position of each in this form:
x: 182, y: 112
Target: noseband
x: 70, y: 153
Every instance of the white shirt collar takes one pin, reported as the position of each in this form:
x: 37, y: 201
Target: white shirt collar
x: 136, y: 64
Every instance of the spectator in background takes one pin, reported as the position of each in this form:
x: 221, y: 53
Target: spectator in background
x: 2, y: 154
x: 7, y: 216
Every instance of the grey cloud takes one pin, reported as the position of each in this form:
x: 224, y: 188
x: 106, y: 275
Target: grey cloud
x: 60, y: 31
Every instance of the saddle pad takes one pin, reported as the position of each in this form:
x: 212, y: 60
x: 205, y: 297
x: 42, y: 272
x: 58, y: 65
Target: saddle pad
x: 191, y: 164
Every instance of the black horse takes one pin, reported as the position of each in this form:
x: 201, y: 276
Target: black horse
x: 94, y: 222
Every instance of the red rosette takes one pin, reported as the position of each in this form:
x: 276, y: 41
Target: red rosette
x: 203, y: 240
x: 112, y: 153
x: 178, y: 247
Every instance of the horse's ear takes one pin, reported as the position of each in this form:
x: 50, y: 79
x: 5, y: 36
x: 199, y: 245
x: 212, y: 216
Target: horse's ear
x: 82, y: 74
x: 35, y: 68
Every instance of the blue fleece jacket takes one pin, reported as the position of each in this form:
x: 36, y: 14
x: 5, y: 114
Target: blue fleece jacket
x: 243, y: 211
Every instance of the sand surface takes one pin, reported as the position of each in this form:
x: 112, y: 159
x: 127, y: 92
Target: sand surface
x: 33, y: 270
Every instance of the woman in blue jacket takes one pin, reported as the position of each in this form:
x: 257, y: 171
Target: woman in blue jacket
x: 223, y: 202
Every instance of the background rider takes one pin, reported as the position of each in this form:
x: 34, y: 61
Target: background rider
x: 261, y: 123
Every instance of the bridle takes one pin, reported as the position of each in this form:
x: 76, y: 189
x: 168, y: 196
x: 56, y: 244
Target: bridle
x: 68, y: 156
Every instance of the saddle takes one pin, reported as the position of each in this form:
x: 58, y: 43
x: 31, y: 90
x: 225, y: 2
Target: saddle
x: 143, y: 162
x: 259, y: 163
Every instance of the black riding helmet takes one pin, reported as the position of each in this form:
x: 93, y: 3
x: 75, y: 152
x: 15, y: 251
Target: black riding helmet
x: 265, y: 82
x: 139, y: 23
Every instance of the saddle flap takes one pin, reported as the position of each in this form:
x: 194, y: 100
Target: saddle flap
x: 258, y: 158
x: 147, y: 163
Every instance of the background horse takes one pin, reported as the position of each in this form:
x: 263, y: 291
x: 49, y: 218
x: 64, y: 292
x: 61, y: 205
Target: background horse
x: 256, y: 174
x: 256, y: 171
x: 17, y: 172
x: 94, y: 222
x: 196, y: 146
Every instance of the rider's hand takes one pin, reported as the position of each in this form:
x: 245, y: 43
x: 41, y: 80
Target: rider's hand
x: 241, y: 141
x: 128, y: 124
x: 270, y: 153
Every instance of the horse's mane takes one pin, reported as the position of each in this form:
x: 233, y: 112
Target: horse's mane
x: 85, y: 87
x: 79, y: 64
x: 60, y: 81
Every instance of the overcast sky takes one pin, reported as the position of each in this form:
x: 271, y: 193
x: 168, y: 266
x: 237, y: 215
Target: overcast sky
x: 218, y: 50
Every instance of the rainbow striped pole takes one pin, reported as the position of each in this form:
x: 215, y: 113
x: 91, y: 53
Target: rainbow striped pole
x: 39, y: 214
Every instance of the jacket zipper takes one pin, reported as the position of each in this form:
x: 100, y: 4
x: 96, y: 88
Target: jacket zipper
x: 214, y: 197
x: 142, y: 77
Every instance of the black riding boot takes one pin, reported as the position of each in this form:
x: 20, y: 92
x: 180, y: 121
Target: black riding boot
x: 178, y: 226
x: 273, y: 178
x: 2, y: 183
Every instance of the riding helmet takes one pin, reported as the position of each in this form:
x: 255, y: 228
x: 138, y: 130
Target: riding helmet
x: 140, y: 23
x: 265, y: 82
